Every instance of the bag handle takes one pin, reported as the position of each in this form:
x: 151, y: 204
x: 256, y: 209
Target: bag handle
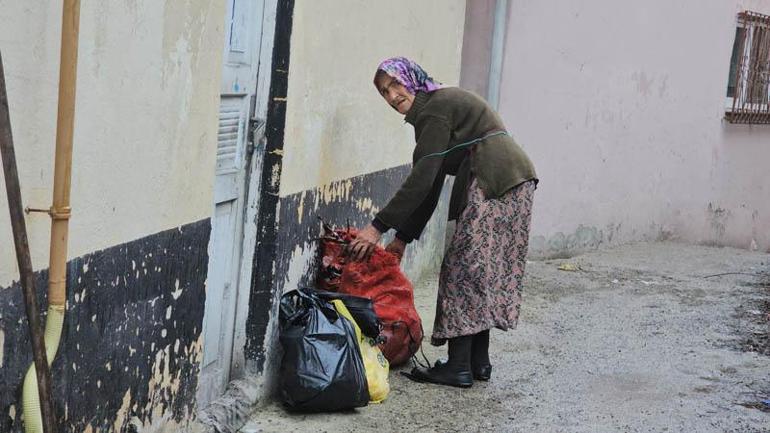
x: 290, y: 309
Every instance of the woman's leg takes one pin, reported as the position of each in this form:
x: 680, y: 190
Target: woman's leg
x: 480, y: 349
x: 455, y: 372
x: 482, y: 369
x: 460, y: 353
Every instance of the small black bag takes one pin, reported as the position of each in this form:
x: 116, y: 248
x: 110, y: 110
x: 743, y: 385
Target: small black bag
x: 321, y: 368
x: 362, y: 310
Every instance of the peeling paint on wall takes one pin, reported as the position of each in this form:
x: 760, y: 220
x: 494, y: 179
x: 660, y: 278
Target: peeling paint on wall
x: 148, y: 84
x: 351, y: 201
x: 262, y: 290
x: 337, y: 125
x: 131, y: 347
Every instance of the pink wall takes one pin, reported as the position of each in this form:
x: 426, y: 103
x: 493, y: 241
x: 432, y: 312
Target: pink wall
x: 620, y: 106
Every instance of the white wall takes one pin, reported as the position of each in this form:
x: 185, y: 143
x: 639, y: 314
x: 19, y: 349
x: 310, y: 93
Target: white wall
x: 146, y: 118
x: 337, y: 125
x: 620, y: 106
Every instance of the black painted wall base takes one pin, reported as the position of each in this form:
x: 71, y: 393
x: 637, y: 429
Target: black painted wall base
x: 339, y: 203
x: 131, y: 345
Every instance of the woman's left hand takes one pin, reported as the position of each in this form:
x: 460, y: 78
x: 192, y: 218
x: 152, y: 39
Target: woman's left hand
x: 363, y: 245
x: 397, y: 247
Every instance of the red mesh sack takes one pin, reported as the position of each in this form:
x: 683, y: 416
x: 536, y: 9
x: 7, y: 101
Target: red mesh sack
x: 381, y: 280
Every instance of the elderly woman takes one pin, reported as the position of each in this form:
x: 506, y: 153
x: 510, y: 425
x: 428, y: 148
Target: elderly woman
x: 459, y: 134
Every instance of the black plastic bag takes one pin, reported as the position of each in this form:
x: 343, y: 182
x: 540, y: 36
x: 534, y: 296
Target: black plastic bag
x: 321, y: 368
x: 362, y: 310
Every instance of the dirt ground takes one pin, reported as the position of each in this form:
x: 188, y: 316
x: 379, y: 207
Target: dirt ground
x: 640, y: 338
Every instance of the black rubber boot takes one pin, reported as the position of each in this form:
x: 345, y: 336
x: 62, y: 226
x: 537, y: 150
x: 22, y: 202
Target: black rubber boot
x: 455, y: 372
x: 480, y: 365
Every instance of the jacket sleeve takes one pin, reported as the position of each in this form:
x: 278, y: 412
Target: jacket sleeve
x: 416, y: 223
x: 416, y: 199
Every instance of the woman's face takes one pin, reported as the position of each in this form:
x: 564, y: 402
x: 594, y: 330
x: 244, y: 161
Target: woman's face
x: 395, y: 93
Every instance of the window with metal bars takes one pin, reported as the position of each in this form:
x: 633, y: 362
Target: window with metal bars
x: 748, y: 87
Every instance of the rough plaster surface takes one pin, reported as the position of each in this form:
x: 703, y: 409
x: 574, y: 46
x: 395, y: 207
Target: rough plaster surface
x: 132, y: 344
x: 337, y: 125
x: 620, y: 106
x: 636, y: 341
x: 145, y: 122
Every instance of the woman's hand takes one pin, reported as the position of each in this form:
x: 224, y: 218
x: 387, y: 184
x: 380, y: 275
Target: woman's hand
x: 363, y: 245
x: 397, y: 247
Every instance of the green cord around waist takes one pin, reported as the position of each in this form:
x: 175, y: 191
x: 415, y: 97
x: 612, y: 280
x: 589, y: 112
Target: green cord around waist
x: 463, y: 145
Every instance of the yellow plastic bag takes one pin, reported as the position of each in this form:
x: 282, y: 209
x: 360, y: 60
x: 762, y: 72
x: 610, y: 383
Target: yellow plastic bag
x: 375, y: 364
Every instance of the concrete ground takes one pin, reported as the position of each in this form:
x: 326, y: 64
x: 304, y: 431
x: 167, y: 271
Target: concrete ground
x: 640, y: 338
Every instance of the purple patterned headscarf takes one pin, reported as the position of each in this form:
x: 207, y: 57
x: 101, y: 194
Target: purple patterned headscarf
x: 410, y: 74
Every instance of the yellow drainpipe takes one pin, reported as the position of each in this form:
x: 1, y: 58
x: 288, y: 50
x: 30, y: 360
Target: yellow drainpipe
x: 60, y: 210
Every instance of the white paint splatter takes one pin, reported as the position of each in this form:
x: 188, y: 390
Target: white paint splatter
x: 122, y: 412
x: 177, y: 292
x: 301, y: 207
x: 301, y: 259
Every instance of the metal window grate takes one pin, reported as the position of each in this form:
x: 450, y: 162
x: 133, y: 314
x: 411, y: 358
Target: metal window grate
x: 748, y: 88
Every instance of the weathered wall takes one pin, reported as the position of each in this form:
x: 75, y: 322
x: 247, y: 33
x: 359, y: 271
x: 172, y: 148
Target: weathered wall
x: 131, y: 344
x: 620, y: 106
x: 340, y: 127
x: 145, y: 139
x: 343, y: 151
x: 146, y: 97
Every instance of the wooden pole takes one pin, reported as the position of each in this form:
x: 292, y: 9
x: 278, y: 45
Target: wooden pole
x: 65, y: 126
x: 13, y: 189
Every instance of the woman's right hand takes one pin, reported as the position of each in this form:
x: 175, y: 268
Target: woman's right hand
x: 364, y: 244
x: 397, y: 247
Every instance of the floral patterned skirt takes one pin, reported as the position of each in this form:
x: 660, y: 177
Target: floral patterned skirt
x: 480, y: 281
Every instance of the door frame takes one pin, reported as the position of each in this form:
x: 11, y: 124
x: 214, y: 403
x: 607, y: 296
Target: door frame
x: 256, y: 131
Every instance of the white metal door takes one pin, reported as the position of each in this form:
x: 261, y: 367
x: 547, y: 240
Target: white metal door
x: 239, y: 84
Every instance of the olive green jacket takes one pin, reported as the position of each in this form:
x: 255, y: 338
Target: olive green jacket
x: 442, y: 120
